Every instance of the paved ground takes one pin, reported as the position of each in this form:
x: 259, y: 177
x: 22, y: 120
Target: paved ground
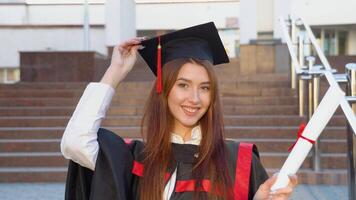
x: 55, y: 191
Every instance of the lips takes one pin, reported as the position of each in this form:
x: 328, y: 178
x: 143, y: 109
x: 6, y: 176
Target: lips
x: 190, y: 111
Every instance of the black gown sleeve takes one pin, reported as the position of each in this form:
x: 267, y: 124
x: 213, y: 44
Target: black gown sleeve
x: 78, y: 182
x: 258, y: 174
x: 112, y: 178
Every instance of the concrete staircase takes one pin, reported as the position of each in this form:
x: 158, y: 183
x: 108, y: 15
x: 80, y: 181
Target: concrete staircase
x: 261, y: 109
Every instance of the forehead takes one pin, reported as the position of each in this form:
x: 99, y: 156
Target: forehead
x: 193, y: 72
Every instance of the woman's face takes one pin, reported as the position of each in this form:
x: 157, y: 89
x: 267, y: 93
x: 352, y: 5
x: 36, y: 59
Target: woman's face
x: 189, y: 97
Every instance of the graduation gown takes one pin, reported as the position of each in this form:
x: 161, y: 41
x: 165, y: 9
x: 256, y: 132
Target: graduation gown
x: 118, y: 170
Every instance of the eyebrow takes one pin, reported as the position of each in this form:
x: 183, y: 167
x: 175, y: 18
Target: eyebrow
x: 189, y: 81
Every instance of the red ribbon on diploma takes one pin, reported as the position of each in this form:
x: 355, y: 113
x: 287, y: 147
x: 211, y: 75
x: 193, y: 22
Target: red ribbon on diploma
x: 300, y: 132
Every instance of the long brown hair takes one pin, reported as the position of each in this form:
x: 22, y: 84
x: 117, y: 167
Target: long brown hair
x: 156, y: 126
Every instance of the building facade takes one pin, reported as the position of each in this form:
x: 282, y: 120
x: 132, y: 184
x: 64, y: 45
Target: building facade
x: 40, y: 25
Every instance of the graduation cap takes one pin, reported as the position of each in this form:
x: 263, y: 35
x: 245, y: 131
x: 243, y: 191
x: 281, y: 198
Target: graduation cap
x: 199, y: 42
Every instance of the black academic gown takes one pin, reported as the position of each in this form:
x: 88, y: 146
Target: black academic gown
x: 118, y: 170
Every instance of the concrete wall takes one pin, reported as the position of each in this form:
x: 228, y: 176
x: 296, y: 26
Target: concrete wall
x: 47, y: 14
x: 39, y: 26
x: 149, y: 16
x: 120, y: 21
x: 174, y: 16
x: 265, y: 15
x: 42, y: 38
x: 325, y: 12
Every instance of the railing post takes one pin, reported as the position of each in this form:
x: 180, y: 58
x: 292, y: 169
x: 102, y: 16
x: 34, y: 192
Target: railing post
x: 311, y: 61
x: 301, y: 92
x: 301, y: 82
x: 351, y: 138
x: 307, y: 46
x: 293, y: 32
x: 313, y: 101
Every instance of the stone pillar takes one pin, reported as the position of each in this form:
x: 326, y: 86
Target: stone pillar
x: 248, y: 33
x: 248, y: 21
x: 281, y: 8
x: 120, y: 21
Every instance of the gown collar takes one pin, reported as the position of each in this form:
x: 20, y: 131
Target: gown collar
x: 195, y: 137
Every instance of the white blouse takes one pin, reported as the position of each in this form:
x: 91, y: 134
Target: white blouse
x: 79, y: 142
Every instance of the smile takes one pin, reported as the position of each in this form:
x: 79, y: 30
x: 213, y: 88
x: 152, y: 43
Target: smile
x: 190, y: 110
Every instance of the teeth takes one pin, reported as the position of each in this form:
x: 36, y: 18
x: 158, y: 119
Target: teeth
x: 190, y: 109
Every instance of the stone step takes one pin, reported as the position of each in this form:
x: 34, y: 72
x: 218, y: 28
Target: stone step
x: 233, y: 120
x: 329, y: 146
x: 234, y: 74
x: 261, y: 109
x: 253, y: 91
x: 270, y: 81
x: 32, y: 174
x: 139, y: 100
x: 56, y: 85
x: 59, y: 174
x: 138, y: 110
x: 32, y: 93
x: 146, y: 86
x: 44, y: 85
x: 328, y: 161
x: 254, y: 84
x: 55, y: 159
x: 256, y: 77
x: 323, y: 177
x: 32, y: 159
x: 263, y: 144
x: 235, y: 132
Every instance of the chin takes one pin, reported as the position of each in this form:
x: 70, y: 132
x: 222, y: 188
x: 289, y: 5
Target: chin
x: 189, y: 123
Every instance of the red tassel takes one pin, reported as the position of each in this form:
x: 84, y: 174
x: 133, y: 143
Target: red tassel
x: 300, y: 132
x: 159, y: 68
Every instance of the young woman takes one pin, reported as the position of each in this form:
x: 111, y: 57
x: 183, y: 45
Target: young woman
x: 184, y: 154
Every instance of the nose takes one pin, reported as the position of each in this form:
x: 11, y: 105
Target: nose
x: 194, y: 96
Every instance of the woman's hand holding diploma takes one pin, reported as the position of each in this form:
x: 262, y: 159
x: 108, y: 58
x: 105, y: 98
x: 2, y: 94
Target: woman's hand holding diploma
x: 264, y: 191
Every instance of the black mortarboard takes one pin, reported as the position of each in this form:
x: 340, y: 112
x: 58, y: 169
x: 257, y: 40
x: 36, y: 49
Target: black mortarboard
x: 200, y: 42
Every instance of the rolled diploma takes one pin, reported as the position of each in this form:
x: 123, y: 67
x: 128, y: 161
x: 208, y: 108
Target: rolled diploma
x: 313, y: 129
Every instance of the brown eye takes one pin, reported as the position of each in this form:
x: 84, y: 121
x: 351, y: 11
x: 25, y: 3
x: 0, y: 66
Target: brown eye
x: 182, y: 85
x: 206, y: 88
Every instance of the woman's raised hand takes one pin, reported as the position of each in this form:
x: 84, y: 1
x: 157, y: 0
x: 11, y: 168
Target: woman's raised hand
x: 264, y: 191
x: 122, y: 60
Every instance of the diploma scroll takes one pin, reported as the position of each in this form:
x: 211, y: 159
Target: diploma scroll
x: 313, y: 129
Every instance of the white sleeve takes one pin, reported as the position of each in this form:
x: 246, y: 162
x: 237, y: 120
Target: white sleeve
x: 79, y: 142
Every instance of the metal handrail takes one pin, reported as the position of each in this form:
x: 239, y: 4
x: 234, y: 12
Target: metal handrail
x: 333, y: 80
x: 330, y: 78
x: 327, y: 72
x: 323, y: 112
x: 351, y: 138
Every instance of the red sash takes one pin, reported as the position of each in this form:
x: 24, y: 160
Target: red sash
x: 242, y: 174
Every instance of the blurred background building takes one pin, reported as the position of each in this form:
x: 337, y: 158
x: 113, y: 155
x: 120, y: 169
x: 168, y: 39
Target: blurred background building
x: 57, y: 25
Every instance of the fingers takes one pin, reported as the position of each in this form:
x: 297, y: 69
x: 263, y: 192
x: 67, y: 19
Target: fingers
x: 286, y: 192
x: 269, y: 182
x: 278, y: 197
x: 293, y: 180
x: 283, y: 191
x: 131, y: 42
x: 281, y: 194
x: 135, y: 48
x: 130, y: 46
